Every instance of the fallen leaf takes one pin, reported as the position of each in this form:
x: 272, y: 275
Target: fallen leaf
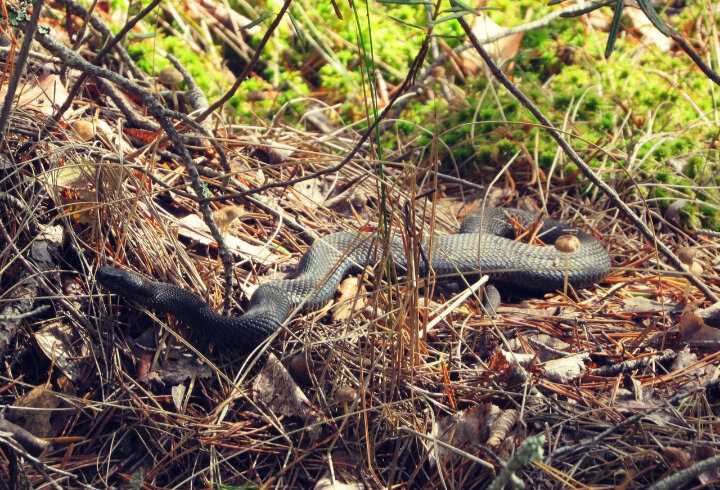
x: 684, y: 359
x: 44, y: 94
x: 273, y: 153
x: 695, y: 331
x: 649, y: 33
x: 64, y: 347
x: 521, y: 359
x: 566, y: 369
x: 352, y: 299
x: 462, y: 430
x: 503, y: 49
x: 327, y: 482
x: 178, y: 367
x: 178, y: 396
x: 74, y: 174
x: 641, y: 304
x: 599, y: 19
x: 84, y: 130
x: 143, y: 135
x: 501, y: 427
x: 275, y: 388
x: 677, y: 459
x: 341, y: 475
x: 194, y: 228
x: 309, y: 193
x: 226, y: 216
x: 41, y: 403
x: 114, y: 140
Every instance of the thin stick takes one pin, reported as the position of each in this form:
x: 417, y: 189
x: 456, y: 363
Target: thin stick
x: 20, y: 60
x: 248, y: 68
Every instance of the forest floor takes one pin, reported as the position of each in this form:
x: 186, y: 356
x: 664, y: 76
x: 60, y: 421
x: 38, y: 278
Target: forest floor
x: 387, y: 386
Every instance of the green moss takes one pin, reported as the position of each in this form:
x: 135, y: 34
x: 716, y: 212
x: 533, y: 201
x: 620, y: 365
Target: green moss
x: 660, y: 101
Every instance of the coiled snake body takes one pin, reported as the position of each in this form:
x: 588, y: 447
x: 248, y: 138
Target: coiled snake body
x: 483, y: 245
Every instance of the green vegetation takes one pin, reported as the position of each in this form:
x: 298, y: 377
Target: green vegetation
x: 642, y: 113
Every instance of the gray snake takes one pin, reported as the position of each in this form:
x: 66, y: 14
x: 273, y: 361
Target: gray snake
x: 482, y: 245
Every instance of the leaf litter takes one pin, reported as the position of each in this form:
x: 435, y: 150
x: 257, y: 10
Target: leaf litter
x: 381, y: 401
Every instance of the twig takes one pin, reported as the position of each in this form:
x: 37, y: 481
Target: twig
x: 584, y: 167
x: 161, y: 115
x: 80, y: 11
x: 41, y: 467
x: 196, y: 97
x: 682, y: 478
x: 569, y: 450
x: 27, y: 314
x: 20, y: 60
x: 75, y: 90
x: 133, y: 119
x: 625, y: 366
x: 412, y: 71
x: 249, y: 67
x: 32, y: 444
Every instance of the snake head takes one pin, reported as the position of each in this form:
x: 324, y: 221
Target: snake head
x: 125, y: 283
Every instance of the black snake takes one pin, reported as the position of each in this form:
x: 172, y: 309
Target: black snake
x: 483, y: 245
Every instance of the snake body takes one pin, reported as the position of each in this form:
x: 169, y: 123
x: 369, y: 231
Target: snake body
x: 482, y: 245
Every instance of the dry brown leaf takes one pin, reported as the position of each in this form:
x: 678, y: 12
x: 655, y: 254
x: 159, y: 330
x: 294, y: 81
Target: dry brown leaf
x: 194, y: 228
x: 275, y: 388
x: 41, y: 401
x: 44, y: 94
x: 273, y: 153
x: 566, y: 369
x: 462, y: 430
x: 65, y: 348
x: 650, y: 34
x: 83, y: 130
x: 694, y: 328
x: 226, y: 216
x: 641, y: 304
x: 628, y: 402
x: 503, y: 49
x: 677, y: 458
x: 176, y: 368
x: 352, y: 299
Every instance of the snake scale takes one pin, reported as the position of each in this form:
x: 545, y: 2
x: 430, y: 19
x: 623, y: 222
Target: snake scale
x: 483, y: 244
